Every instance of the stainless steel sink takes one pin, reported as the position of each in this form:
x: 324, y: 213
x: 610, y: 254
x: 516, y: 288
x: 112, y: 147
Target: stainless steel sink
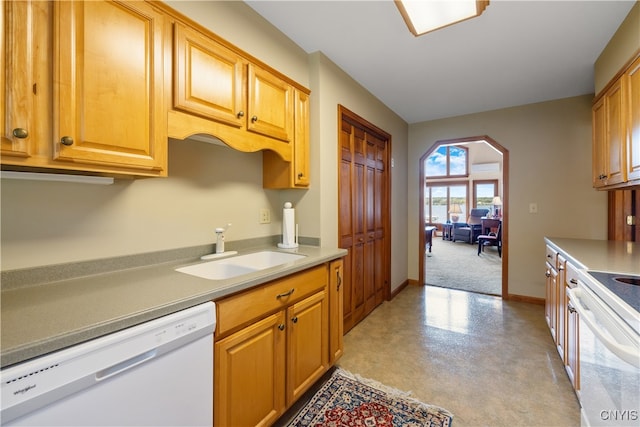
x: 228, y: 268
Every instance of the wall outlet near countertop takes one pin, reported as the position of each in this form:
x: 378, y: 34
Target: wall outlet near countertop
x: 265, y: 216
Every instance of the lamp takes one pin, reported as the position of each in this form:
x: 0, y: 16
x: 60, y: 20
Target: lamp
x: 455, y: 211
x: 425, y: 16
x: 496, y: 202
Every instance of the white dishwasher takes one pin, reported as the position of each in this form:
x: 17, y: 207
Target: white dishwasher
x: 158, y: 373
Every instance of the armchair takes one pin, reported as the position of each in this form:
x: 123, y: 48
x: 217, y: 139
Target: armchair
x: 470, y: 230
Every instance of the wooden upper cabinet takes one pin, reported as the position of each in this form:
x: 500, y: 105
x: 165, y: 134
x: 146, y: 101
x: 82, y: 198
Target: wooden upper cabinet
x: 270, y: 105
x: 209, y: 80
x: 17, y: 70
x: 109, y: 86
x: 599, y: 144
x: 278, y: 173
x: 609, y: 138
x: 616, y: 132
x: 615, y: 127
x: 633, y: 117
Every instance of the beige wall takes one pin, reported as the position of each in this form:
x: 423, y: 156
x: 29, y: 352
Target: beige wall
x: 208, y: 186
x: 622, y: 46
x: 550, y: 164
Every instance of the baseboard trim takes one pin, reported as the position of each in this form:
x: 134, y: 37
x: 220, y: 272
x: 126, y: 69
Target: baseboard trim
x: 399, y: 289
x: 510, y: 297
x: 527, y: 299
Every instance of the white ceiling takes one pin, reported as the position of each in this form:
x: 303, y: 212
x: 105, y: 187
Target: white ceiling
x: 515, y: 53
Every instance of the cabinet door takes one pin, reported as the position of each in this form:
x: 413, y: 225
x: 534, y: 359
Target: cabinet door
x: 209, y: 79
x: 301, y: 142
x: 250, y: 374
x: 109, y: 89
x: 561, y: 309
x: 336, y: 319
x: 551, y: 300
x: 599, y: 144
x: 270, y: 106
x: 633, y: 118
x: 615, y: 137
x: 17, y: 71
x: 573, y: 343
x: 308, y: 355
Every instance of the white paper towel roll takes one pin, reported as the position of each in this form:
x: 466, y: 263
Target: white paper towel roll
x: 288, y: 227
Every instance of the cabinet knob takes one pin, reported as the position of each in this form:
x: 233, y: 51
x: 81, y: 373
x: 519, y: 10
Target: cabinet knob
x: 300, y: 175
x: 571, y: 308
x: 573, y: 281
x: 547, y: 273
x: 294, y: 319
x: 20, y: 133
x: 602, y: 176
x: 254, y: 119
x: 240, y: 114
x: 281, y: 326
x: 66, y: 140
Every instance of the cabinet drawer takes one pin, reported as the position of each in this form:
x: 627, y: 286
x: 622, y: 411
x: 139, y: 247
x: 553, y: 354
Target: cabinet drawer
x: 241, y: 309
x: 571, y: 275
x: 552, y: 257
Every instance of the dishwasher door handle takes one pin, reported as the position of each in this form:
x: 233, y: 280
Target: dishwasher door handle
x: 125, y: 365
x: 628, y: 353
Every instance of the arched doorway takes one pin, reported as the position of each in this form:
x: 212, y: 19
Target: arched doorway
x: 505, y: 203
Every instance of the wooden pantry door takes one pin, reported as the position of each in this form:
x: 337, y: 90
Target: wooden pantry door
x: 364, y: 215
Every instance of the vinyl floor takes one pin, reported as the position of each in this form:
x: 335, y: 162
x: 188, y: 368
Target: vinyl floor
x: 488, y: 361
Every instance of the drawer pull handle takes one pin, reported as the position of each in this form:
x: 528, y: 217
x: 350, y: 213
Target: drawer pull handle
x: 573, y: 281
x: 339, y: 279
x: 285, y: 294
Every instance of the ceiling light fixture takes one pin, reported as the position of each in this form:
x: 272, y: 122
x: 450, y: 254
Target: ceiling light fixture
x: 424, y: 16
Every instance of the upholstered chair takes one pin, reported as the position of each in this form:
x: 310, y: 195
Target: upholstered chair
x: 469, y: 231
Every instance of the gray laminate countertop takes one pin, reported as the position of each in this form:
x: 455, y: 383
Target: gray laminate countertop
x: 42, y: 318
x: 602, y: 255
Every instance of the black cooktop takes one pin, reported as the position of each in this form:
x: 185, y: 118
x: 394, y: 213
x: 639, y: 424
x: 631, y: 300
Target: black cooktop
x: 624, y: 286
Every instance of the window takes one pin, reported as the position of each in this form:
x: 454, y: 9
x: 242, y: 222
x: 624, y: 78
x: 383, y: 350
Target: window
x: 483, y: 193
x: 447, y: 161
x: 440, y: 198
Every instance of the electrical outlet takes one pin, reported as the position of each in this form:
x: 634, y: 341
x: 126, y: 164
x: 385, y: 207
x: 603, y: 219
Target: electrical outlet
x: 265, y: 216
x: 533, y: 208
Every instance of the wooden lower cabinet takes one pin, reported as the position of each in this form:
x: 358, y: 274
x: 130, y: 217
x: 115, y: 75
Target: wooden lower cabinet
x: 560, y: 315
x: 272, y: 344
x: 250, y: 375
x: 336, y: 304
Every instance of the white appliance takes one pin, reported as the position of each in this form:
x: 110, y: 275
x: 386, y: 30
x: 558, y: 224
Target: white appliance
x: 609, y: 338
x: 157, y: 373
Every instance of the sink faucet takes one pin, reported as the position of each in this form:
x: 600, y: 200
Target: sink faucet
x: 220, y: 238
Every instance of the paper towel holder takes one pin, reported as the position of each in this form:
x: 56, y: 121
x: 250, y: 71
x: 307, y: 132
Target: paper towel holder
x: 288, y: 221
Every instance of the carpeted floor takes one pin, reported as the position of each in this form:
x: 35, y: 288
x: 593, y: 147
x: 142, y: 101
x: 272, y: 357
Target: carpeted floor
x: 346, y: 399
x: 456, y: 265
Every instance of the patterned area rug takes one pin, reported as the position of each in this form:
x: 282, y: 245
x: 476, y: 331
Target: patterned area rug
x: 347, y: 400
